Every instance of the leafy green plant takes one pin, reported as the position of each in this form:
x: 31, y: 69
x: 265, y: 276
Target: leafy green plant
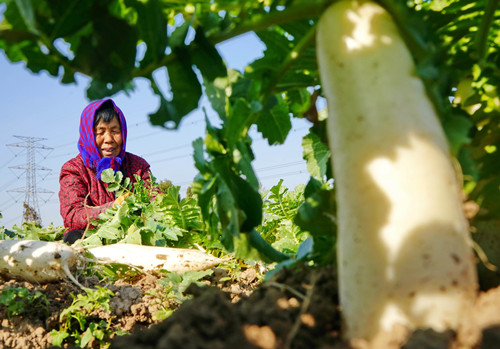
x: 33, y: 231
x: 164, y: 300
x: 315, y: 216
x: 278, y: 227
x: 176, y: 284
x: 137, y: 220
x: 77, y: 323
x: 20, y: 300
x: 111, y: 272
x: 150, y: 218
x: 184, y: 213
x: 453, y: 44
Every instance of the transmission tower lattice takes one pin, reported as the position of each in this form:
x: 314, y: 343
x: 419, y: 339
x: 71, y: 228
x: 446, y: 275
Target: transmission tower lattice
x: 31, y: 210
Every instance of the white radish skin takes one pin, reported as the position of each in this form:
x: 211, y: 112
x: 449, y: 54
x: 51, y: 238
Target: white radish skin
x: 404, y: 253
x: 176, y: 260
x: 37, y: 261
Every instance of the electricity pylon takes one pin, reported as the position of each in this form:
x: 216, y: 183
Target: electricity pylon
x: 31, y: 211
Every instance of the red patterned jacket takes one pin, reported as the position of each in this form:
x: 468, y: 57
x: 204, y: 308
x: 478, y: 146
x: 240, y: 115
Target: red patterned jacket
x: 77, y: 180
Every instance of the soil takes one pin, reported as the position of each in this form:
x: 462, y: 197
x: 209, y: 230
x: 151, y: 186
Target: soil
x: 296, y: 308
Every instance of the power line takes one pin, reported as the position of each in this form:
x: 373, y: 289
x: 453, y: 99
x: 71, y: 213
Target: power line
x: 64, y: 145
x: 145, y: 135
x: 12, y: 220
x: 288, y: 164
x: 6, y: 185
x: 167, y: 150
x: 175, y: 157
x: 31, y: 208
x: 61, y: 155
x: 8, y: 162
x: 129, y: 125
x: 255, y: 140
x: 5, y: 203
x: 283, y: 174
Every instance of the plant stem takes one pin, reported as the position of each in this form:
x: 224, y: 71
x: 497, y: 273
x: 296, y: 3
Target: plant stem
x: 293, y: 13
x: 484, y: 29
x: 265, y: 248
x: 399, y: 13
x: 303, y: 309
x: 292, y: 56
x: 303, y: 10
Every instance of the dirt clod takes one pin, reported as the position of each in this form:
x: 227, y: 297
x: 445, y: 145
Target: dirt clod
x: 297, y: 308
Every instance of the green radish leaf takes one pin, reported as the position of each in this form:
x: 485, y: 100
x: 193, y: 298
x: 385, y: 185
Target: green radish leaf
x: 185, y: 89
x: 37, y: 61
x: 151, y: 225
x: 317, y: 155
x: 207, y: 58
x: 147, y: 237
x: 212, y: 139
x: 229, y: 216
x: 457, y: 130
x: 86, y: 338
x: 178, y: 36
x: 198, y: 155
x: 315, y: 216
x: 126, y: 183
x: 108, y: 175
x: 109, y: 233
x: 276, y: 124
x: 243, y: 157
x: 305, y: 248
x: 151, y: 24
x: 58, y: 337
x: 247, y: 198
x: 299, y: 101
x: 133, y: 236
x: 113, y: 187
x: 172, y: 197
x: 216, y: 93
x: 99, y: 89
x: 93, y: 240
x: 238, y: 122
x: 243, y: 249
x: 96, y: 57
x: 205, y: 195
x: 172, y: 233
x: 25, y: 8
x: 118, y: 177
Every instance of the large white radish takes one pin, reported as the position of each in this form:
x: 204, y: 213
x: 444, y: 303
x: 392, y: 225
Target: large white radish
x: 404, y: 252
x: 37, y: 261
x: 177, y: 260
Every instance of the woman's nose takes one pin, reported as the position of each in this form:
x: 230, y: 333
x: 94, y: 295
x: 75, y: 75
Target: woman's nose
x: 108, y: 138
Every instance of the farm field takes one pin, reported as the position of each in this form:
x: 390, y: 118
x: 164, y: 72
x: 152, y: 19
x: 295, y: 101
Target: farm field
x: 391, y: 243
x: 296, y: 309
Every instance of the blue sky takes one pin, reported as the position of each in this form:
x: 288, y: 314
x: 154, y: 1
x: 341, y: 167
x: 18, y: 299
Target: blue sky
x: 37, y: 105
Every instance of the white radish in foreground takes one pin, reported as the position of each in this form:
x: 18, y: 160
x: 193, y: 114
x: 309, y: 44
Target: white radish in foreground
x: 176, y: 260
x: 404, y: 253
x: 37, y: 261
x: 44, y: 261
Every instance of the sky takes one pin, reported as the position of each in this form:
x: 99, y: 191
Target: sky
x: 38, y: 108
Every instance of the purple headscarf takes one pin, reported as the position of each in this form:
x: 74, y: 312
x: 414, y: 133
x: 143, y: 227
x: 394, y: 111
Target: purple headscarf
x: 86, y: 143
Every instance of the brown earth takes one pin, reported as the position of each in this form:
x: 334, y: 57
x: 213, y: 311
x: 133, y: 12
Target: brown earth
x: 297, y: 308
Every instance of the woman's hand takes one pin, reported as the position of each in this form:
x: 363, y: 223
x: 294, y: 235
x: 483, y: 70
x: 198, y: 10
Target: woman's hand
x: 119, y: 200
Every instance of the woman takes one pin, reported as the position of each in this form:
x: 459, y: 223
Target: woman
x: 82, y: 195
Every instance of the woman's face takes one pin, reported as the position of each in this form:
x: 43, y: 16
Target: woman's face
x: 108, y: 137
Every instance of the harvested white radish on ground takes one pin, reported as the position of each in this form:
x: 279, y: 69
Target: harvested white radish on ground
x: 37, y: 261
x: 404, y: 251
x: 176, y: 260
